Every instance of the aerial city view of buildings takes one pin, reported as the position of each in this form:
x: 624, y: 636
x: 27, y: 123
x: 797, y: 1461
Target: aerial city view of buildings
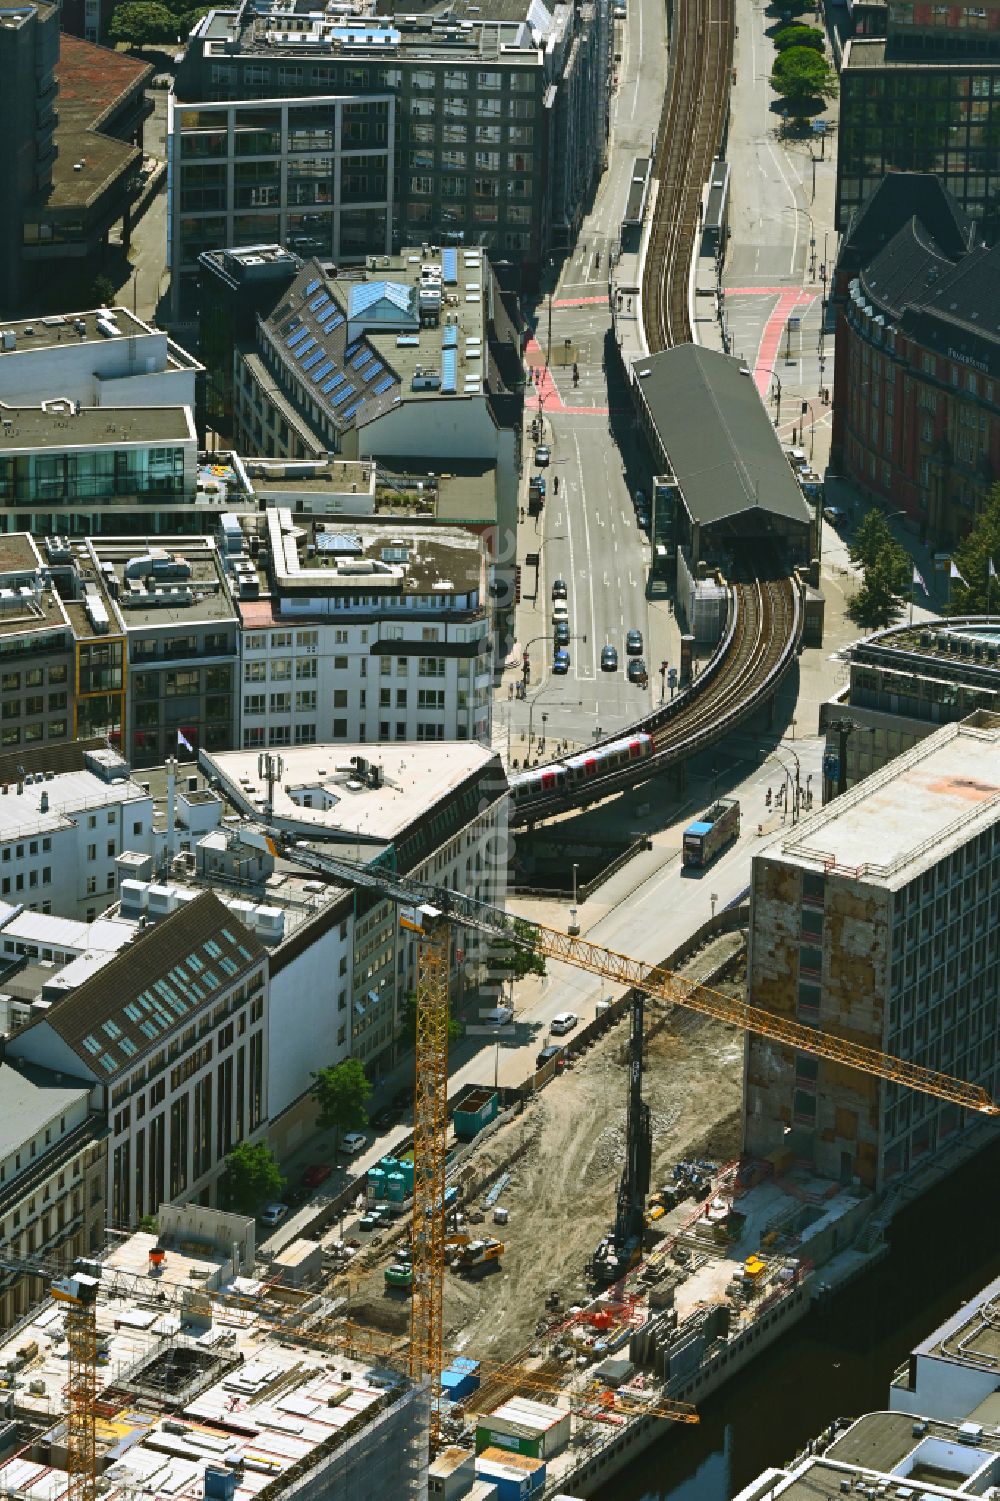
x: 499, y: 749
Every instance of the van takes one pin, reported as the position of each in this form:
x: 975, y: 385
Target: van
x: 500, y: 1016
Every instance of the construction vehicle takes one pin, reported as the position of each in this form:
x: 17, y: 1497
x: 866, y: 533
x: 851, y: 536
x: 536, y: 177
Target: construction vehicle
x: 618, y: 1252
x: 476, y: 1255
x: 399, y: 1275
x: 432, y: 913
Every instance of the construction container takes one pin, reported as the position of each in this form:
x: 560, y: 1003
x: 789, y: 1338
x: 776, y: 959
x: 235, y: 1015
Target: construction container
x: 460, y: 1379
x: 516, y: 1476
x: 406, y: 1168
x: 388, y: 1165
x: 525, y: 1427
x: 395, y: 1187
x: 220, y: 1484
x: 376, y: 1185
x: 452, y: 1474
x: 475, y: 1111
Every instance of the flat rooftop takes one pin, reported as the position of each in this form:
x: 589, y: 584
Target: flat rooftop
x: 26, y: 614
x: 66, y: 792
x: 963, y: 645
x: 431, y: 560
x: 907, y: 817
x: 320, y: 793
x: 60, y: 426
x: 194, y: 590
x: 94, y: 82
x: 243, y: 1392
x: 277, y: 478
x: 972, y: 1335
x: 71, y: 328
x: 18, y: 553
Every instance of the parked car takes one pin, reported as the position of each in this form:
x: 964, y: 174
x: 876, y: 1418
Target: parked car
x: 547, y: 1053
x: 563, y: 1022
x: 353, y: 1142
x: 609, y: 659
x: 537, y: 482
x: 633, y: 643
x: 835, y: 515
x: 560, y: 611
x: 637, y: 672
x: 386, y: 1117
x: 316, y: 1173
x: 560, y: 661
x: 560, y: 633
x: 543, y: 454
x: 272, y: 1214
x: 559, y: 590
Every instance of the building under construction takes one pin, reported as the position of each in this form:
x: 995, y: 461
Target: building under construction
x: 208, y: 1384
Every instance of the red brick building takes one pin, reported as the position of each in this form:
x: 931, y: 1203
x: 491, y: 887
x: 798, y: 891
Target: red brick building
x: 916, y: 420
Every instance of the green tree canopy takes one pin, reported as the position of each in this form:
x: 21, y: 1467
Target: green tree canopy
x: 408, y: 1022
x: 801, y: 75
x: 871, y: 536
x: 980, y: 593
x: 341, y: 1092
x: 519, y: 959
x: 799, y: 36
x: 139, y: 23
x: 888, y: 582
x: 250, y: 1177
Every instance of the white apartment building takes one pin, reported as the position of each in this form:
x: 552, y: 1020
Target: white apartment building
x: 171, y: 1037
x: 105, y: 357
x: 62, y: 832
x: 370, y: 634
x: 437, y: 813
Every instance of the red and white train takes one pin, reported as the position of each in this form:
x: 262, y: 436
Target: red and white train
x: 543, y: 782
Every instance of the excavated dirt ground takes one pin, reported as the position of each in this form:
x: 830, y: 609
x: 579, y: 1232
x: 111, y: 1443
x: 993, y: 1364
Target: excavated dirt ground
x: 561, y: 1197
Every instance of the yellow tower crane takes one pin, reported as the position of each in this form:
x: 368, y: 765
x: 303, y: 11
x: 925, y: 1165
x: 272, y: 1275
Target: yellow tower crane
x: 431, y: 913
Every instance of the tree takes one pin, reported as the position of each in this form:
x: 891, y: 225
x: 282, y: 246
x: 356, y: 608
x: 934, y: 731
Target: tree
x: 801, y: 76
x: 149, y: 1224
x: 870, y: 538
x: 799, y: 36
x: 341, y: 1092
x: 408, y: 1022
x: 138, y: 23
x: 887, y: 583
x: 519, y: 959
x: 250, y: 1177
x: 980, y: 592
x: 102, y: 290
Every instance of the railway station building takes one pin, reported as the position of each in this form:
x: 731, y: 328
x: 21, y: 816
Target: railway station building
x: 727, y: 485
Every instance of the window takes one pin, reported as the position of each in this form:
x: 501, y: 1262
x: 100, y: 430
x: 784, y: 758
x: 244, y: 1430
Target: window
x: 305, y: 734
x: 281, y: 703
x: 281, y: 669
x: 254, y: 672
x: 305, y: 667
x: 305, y: 701
x: 91, y: 852
x: 253, y: 703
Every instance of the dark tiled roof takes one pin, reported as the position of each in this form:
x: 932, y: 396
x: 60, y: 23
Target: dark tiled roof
x: 718, y: 436
x: 899, y: 198
x: 909, y: 267
x: 960, y: 315
x: 154, y: 986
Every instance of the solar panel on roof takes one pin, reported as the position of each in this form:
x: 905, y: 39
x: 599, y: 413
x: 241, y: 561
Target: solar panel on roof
x: 449, y: 266
x: 449, y: 370
x: 352, y: 348
x: 300, y: 333
x: 332, y: 383
x: 383, y: 385
x: 317, y: 354
x: 304, y: 349
x: 361, y: 359
x: 373, y: 368
x: 319, y: 301
x: 356, y: 406
x: 449, y: 339
x: 322, y: 370
x: 335, y: 401
x: 312, y: 285
x: 332, y: 323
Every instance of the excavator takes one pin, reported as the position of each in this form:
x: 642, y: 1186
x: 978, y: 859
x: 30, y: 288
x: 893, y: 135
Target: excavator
x: 619, y: 1251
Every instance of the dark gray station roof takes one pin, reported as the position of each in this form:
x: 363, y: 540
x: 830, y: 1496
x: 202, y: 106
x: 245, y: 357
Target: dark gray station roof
x: 717, y: 436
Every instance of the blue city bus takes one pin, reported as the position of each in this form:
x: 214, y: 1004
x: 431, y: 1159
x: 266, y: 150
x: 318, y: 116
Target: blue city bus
x: 717, y: 826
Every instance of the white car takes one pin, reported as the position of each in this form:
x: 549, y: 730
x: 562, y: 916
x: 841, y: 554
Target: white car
x: 273, y: 1214
x: 353, y: 1142
x: 563, y: 1022
x: 560, y: 611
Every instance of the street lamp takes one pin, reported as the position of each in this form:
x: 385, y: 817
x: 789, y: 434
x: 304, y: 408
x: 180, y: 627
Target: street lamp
x: 574, y: 926
x: 534, y: 558
x: 526, y: 659
x: 775, y: 396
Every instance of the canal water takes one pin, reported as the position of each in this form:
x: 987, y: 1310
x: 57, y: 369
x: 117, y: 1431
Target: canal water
x: 839, y: 1360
